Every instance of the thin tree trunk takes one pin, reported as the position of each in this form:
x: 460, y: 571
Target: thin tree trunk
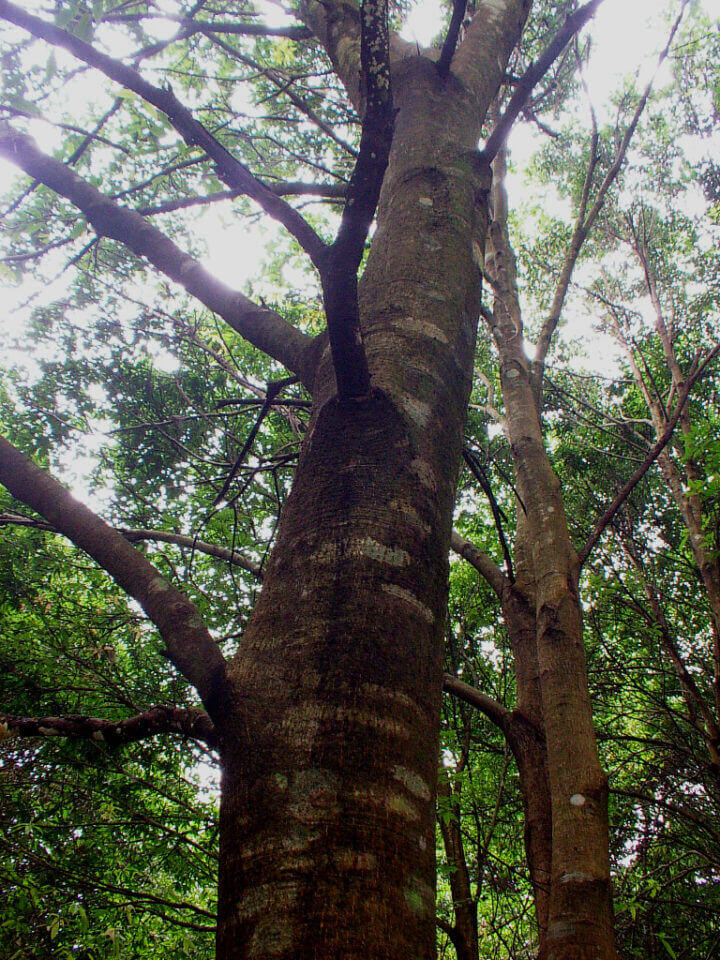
x: 464, y: 934
x: 528, y: 744
x: 580, y: 923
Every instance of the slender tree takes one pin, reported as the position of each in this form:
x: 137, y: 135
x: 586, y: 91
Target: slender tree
x: 326, y: 713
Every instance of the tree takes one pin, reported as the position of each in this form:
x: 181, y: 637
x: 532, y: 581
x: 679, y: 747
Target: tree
x: 326, y: 714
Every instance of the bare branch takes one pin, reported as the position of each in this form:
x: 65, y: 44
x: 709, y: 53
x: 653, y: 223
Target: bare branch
x: 189, y: 644
x: 486, y: 567
x: 493, y: 709
x: 586, y: 219
x: 230, y: 170
x: 607, y: 517
x: 534, y: 74
x: 476, y: 468
x: 329, y: 191
x: 339, y: 273
x: 263, y: 328
x: 451, y: 39
x: 273, y: 391
x: 195, y: 724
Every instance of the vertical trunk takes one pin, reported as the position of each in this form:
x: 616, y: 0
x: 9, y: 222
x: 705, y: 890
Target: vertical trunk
x: 465, y: 933
x: 327, y: 821
x: 579, y: 911
x: 327, y: 807
x: 528, y: 741
x: 580, y: 925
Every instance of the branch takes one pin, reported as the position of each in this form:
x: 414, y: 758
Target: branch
x: 486, y: 567
x: 482, y: 56
x: 230, y: 170
x: 339, y: 274
x: 273, y: 391
x: 608, y: 516
x: 584, y: 223
x: 336, y: 24
x: 261, y: 327
x: 209, y: 27
x: 238, y: 29
x: 448, y: 47
x: 534, y: 74
x: 189, y: 644
x: 493, y: 709
x: 477, y: 471
x: 160, y: 536
x: 195, y: 724
x: 329, y: 191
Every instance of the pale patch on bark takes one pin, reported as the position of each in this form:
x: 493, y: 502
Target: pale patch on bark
x: 410, y: 514
x: 423, y: 328
x: 403, y: 594
x: 159, y: 585
x: 424, y: 472
x: 430, y: 243
x: 577, y: 800
x: 403, y: 807
x: 49, y: 732
x: 577, y: 877
x: 334, y: 550
x: 351, y: 861
x: 418, y: 411
x: 412, y: 781
x: 420, y: 897
x: 301, y: 724
x: 387, y: 695
x: 314, y: 796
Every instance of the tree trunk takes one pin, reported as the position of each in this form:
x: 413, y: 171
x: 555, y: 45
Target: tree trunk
x: 528, y: 740
x: 327, y: 842
x: 464, y: 934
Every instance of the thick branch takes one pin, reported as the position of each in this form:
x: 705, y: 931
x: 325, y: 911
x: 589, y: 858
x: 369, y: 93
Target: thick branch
x: 534, y: 74
x: 336, y: 24
x: 482, y: 56
x: 486, y: 567
x: 230, y: 170
x: 263, y: 328
x: 493, y: 710
x: 189, y: 644
x: 339, y: 274
x: 608, y: 516
x: 188, y: 723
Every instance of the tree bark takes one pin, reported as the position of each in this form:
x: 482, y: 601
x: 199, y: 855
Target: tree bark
x: 328, y: 792
x: 579, y: 918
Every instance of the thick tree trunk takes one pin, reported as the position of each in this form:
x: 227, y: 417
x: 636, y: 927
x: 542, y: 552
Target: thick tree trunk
x: 327, y: 807
x: 327, y: 826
